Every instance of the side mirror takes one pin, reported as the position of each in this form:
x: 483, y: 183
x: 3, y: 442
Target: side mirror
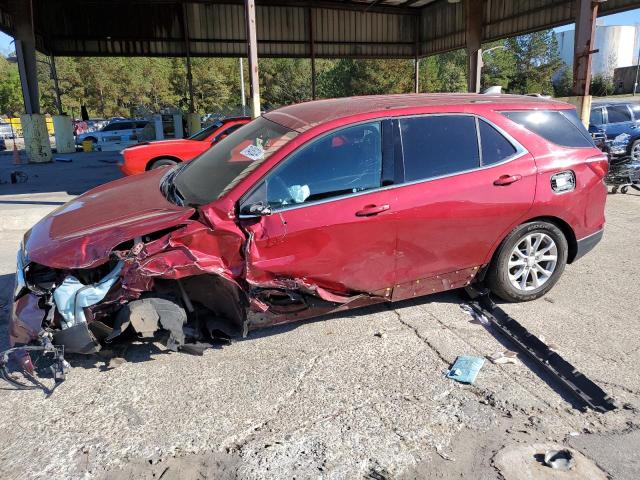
x: 258, y: 209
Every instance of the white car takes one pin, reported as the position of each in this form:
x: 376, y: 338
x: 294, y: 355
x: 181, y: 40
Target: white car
x: 116, y: 131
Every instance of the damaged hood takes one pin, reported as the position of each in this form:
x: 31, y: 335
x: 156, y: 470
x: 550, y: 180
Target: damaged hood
x: 83, y: 232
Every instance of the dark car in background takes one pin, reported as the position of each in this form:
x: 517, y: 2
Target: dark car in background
x: 619, y: 122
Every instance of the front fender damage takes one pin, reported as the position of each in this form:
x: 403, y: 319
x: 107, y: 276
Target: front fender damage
x: 182, y: 285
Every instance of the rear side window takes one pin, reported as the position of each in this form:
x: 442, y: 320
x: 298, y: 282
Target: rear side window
x: 438, y: 145
x: 618, y: 113
x: 495, y: 148
x: 559, y: 127
x: 596, y: 117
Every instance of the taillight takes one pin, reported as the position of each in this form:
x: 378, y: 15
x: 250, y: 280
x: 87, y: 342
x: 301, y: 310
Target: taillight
x: 599, y: 164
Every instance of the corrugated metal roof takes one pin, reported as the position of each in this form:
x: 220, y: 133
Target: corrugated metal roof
x: 348, y: 28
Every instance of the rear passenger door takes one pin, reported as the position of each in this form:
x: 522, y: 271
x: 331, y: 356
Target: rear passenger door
x: 465, y: 185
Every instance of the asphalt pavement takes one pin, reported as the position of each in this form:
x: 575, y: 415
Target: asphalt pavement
x: 356, y: 395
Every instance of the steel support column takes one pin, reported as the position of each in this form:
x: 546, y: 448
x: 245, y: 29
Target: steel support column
x: 416, y: 59
x: 25, y: 42
x: 252, y: 53
x: 312, y: 52
x: 586, y: 15
x: 187, y: 46
x: 474, y: 12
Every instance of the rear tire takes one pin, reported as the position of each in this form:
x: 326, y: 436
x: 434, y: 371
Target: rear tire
x: 162, y: 162
x: 529, y: 262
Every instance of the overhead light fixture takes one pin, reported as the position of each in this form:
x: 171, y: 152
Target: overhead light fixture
x: 453, y: 1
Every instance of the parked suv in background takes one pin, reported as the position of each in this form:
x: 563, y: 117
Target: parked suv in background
x: 321, y: 207
x: 618, y: 120
x: 115, y: 131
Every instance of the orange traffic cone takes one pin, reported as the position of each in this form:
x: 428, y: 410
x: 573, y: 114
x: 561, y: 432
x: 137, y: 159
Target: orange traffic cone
x: 16, y: 155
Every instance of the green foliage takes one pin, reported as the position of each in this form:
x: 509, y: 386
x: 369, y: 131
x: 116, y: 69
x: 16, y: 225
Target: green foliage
x: 563, y: 85
x: 536, y: 60
x: 446, y: 72
x: 602, y: 85
x: 10, y: 90
x: 499, y: 65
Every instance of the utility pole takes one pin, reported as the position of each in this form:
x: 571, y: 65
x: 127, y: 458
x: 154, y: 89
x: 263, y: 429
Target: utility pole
x: 56, y: 85
x: 635, y: 85
x: 243, y: 98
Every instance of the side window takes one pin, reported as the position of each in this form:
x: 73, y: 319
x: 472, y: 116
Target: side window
x: 555, y: 126
x: 343, y: 162
x: 596, y: 117
x: 495, y: 148
x: 618, y: 113
x: 226, y: 132
x: 141, y: 124
x: 438, y: 145
x: 111, y: 127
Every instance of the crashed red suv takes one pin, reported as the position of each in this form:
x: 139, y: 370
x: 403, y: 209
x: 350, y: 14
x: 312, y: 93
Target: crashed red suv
x: 315, y: 208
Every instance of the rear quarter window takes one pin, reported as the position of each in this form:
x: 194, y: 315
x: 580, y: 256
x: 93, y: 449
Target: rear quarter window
x: 561, y: 127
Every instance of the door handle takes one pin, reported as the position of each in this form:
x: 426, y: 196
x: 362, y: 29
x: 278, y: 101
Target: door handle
x: 370, y: 210
x: 507, y: 180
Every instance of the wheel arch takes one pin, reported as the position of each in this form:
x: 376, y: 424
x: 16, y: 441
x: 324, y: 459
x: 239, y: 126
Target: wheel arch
x: 150, y: 163
x: 565, y: 228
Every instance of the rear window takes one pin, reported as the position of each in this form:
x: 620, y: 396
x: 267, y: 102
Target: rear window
x: 438, y: 145
x: 561, y: 127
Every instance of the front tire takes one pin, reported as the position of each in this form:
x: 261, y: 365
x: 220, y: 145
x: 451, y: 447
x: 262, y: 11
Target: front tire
x: 529, y: 262
x: 634, y: 151
x: 162, y: 162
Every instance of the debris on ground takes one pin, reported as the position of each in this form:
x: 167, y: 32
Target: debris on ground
x: 503, y: 357
x: 465, y: 369
x: 559, y: 459
x: 515, y: 462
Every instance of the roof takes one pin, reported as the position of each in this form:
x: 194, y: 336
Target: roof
x: 303, y: 116
x: 285, y: 28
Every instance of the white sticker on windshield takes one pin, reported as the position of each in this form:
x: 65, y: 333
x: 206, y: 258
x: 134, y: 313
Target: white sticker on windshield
x: 253, y: 152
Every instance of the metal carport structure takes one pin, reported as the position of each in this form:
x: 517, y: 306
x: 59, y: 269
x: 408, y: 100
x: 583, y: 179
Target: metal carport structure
x: 289, y: 28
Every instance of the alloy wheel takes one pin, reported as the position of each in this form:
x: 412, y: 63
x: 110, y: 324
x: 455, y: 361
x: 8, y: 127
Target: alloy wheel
x: 635, y: 151
x: 533, y: 261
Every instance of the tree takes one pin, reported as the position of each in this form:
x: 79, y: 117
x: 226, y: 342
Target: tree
x: 563, y: 84
x: 10, y: 90
x: 499, y: 65
x: 445, y: 72
x: 536, y: 60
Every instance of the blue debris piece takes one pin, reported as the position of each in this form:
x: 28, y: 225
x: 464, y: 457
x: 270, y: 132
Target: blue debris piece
x: 465, y: 369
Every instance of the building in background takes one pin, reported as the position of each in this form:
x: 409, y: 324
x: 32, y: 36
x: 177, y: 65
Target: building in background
x: 617, y: 47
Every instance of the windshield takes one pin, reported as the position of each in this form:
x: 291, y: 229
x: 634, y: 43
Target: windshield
x: 205, y: 132
x: 220, y: 168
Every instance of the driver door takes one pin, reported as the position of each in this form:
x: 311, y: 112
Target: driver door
x: 329, y: 222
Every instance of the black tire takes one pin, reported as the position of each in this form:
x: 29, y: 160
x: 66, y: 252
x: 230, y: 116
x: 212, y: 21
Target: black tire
x: 633, y: 146
x: 624, y: 189
x: 162, y: 162
x: 498, y: 274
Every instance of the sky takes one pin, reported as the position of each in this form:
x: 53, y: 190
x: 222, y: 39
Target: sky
x: 626, y: 18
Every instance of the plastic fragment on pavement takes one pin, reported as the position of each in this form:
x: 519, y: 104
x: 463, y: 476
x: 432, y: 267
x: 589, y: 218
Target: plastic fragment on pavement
x: 503, y: 357
x: 559, y: 459
x: 465, y: 369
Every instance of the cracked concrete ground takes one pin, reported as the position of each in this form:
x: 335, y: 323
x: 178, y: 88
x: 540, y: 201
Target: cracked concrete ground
x: 356, y: 395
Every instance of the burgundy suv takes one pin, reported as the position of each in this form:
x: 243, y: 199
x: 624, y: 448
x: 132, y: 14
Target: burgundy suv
x: 315, y: 208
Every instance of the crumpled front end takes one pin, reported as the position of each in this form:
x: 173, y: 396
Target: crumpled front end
x: 140, y: 286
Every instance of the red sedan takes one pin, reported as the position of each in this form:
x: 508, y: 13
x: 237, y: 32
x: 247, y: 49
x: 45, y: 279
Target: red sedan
x: 148, y: 155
